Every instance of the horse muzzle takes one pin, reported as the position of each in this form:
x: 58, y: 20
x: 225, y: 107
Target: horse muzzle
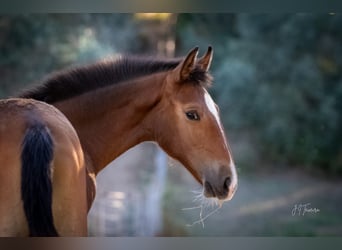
x: 221, y: 187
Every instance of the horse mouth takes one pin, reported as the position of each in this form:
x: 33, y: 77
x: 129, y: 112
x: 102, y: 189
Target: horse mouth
x: 225, y: 193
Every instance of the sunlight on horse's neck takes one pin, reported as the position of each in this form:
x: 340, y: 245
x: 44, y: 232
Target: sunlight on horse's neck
x: 113, y: 119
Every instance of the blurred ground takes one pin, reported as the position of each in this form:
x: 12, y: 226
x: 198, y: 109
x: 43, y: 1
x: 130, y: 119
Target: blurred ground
x: 262, y: 205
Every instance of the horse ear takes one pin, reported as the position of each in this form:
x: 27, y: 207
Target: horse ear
x: 186, y: 66
x: 205, y: 61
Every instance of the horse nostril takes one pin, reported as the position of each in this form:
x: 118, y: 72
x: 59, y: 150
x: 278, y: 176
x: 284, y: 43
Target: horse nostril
x: 227, y: 184
x: 209, y: 189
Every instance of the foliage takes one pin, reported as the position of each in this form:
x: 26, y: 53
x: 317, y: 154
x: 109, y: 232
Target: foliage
x: 36, y: 44
x: 279, y: 77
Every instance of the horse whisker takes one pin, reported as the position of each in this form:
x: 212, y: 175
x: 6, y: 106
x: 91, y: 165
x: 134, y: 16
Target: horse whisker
x: 202, y: 219
x: 205, y: 203
x: 198, y: 198
x: 191, y: 208
x: 196, y: 191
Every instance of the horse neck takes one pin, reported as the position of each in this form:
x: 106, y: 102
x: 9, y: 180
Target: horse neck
x: 113, y: 119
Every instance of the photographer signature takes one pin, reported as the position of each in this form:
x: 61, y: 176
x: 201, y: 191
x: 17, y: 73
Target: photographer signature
x: 302, y: 209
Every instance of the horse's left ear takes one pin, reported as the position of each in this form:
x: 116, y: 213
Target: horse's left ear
x: 185, y: 67
x: 205, y: 61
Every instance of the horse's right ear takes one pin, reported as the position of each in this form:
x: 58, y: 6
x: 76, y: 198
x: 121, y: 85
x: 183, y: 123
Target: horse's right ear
x: 186, y: 66
x: 205, y: 61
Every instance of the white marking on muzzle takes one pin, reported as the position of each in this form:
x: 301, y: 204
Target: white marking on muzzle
x: 233, y: 185
x: 212, y: 108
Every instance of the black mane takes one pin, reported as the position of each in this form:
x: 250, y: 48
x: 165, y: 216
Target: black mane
x: 75, y: 81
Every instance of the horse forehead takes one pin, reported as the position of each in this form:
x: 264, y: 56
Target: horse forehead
x: 190, y: 93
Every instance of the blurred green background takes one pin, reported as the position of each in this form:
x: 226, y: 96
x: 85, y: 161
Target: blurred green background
x: 278, y: 83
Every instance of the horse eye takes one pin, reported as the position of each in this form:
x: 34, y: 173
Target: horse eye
x: 192, y: 115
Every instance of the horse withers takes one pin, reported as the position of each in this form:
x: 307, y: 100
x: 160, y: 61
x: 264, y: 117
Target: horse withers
x: 116, y: 104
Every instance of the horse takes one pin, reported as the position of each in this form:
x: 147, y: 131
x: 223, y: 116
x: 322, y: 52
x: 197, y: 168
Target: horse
x: 118, y: 103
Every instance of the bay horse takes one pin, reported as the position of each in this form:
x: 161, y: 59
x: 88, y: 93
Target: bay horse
x: 116, y: 104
